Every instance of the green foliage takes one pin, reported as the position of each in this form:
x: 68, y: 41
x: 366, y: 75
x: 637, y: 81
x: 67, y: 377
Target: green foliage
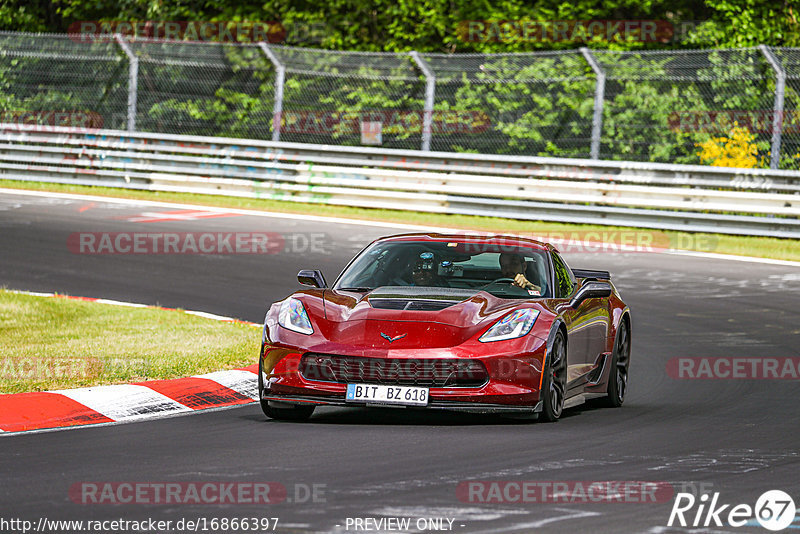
x: 432, y: 25
x: 55, y: 343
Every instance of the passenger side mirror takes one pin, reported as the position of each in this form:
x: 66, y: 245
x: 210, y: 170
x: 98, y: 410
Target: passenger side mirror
x: 313, y: 278
x: 591, y: 290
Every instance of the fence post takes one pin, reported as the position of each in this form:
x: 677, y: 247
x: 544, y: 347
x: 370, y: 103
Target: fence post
x: 599, y: 97
x: 777, y: 108
x: 430, y: 90
x: 280, y: 75
x: 133, y: 81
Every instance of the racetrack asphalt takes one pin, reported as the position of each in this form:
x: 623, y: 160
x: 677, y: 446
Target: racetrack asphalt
x: 736, y: 437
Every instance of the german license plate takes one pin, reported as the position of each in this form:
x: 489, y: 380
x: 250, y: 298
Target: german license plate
x: 404, y: 395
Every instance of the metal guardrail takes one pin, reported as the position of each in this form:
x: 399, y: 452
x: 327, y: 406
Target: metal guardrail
x: 676, y: 197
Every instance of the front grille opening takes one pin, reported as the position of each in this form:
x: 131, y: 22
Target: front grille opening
x: 422, y: 372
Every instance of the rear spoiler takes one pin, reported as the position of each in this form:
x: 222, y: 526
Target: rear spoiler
x: 586, y: 273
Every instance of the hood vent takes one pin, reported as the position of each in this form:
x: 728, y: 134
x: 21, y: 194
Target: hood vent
x: 417, y: 304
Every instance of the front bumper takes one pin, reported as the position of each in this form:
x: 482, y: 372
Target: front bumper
x: 512, y: 386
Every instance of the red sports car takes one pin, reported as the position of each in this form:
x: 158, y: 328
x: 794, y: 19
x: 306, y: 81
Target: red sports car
x: 492, y: 324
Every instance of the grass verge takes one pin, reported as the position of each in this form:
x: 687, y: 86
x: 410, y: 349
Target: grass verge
x: 762, y: 247
x: 55, y: 343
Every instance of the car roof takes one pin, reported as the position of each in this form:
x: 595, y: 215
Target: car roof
x: 500, y: 240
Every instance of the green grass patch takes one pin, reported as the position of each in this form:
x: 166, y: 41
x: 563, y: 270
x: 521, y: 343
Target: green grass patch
x: 762, y: 247
x: 55, y: 343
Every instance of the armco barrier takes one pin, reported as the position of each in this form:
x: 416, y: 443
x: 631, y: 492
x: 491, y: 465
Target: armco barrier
x: 648, y: 195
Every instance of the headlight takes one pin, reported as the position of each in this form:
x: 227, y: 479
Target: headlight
x: 293, y: 317
x: 515, y: 324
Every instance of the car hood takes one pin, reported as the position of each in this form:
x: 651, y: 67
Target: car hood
x: 445, y: 316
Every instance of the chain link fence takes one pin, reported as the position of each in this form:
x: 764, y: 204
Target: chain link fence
x: 789, y: 60
x: 656, y: 106
x: 203, y: 89
x: 529, y: 103
x: 660, y: 105
x: 342, y: 98
x: 53, y: 78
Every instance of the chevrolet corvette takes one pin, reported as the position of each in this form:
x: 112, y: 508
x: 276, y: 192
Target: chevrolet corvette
x: 494, y: 324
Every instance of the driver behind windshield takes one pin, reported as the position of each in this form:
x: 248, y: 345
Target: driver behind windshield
x: 514, y: 266
x: 423, y: 273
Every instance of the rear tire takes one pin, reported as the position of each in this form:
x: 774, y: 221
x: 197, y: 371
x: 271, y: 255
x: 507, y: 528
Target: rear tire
x: 296, y: 413
x: 620, y: 361
x: 554, y: 382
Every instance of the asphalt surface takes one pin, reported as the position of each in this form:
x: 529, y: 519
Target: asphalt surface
x: 736, y: 437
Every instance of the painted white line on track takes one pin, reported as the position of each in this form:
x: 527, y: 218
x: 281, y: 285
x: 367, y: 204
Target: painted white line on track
x: 203, y: 314
x: 124, y: 402
x: 566, y: 515
x: 31, y: 293
x: 357, y: 222
x: 714, y: 256
x: 207, y: 315
x: 218, y: 209
x: 121, y: 303
x: 244, y: 382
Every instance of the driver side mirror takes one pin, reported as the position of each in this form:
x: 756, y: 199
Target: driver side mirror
x: 312, y: 278
x: 591, y: 290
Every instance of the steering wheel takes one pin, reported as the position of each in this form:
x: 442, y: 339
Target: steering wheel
x: 499, y: 280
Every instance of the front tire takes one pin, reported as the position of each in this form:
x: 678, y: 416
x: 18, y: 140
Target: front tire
x: 620, y: 361
x: 554, y: 382
x: 295, y: 413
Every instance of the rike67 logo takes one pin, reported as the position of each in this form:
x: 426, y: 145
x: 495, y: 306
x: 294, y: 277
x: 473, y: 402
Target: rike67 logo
x: 774, y: 510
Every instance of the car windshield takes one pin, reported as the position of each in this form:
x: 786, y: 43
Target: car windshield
x: 502, y: 270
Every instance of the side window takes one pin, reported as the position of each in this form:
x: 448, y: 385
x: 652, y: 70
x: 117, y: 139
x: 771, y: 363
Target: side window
x: 564, y: 280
